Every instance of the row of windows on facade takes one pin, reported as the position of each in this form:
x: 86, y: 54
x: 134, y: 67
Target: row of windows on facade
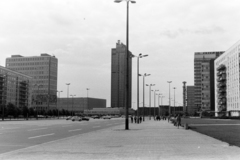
x: 28, y: 59
x: 27, y: 64
x: 13, y: 75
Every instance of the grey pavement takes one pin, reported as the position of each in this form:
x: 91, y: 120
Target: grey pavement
x: 149, y: 140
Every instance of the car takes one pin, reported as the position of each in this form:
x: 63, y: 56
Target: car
x: 84, y: 118
x: 96, y: 117
x: 106, y: 117
x: 76, y: 118
x: 68, y: 118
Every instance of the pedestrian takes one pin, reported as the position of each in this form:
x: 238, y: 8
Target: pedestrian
x: 135, y: 119
x: 140, y: 119
x: 131, y: 119
x: 178, y: 120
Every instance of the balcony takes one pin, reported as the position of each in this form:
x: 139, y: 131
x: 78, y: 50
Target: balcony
x: 221, y: 67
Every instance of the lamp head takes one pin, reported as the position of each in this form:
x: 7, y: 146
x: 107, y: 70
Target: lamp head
x: 118, y: 1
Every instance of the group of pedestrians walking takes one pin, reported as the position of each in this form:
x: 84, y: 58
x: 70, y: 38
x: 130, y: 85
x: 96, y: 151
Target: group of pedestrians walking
x: 136, y: 119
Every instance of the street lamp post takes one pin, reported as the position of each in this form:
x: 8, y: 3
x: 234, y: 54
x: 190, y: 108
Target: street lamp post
x: 67, y: 93
x: 161, y: 102
x: 127, y: 68
x: 169, y: 97
x: 87, y: 91
x: 139, y: 56
x: 72, y: 102
x: 144, y: 93
x: 58, y: 101
x: 150, y: 98
x: 154, y: 104
x: 159, y: 95
x: 174, y: 101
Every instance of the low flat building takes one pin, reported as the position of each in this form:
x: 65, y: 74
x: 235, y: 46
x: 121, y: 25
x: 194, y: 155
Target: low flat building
x: 79, y: 104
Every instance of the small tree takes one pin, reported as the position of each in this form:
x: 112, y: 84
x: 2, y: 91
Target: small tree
x: 25, y: 111
x: 31, y: 112
x: 11, y: 109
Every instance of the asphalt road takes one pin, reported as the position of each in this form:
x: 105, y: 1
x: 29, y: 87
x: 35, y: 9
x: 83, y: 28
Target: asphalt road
x: 16, y: 135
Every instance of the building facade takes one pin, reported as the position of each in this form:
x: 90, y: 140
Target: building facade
x: 191, y: 108
x: 119, y: 76
x: 79, y: 104
x: 43, y: 69
x: 227, y: 82
x: 15, y: 88
x: 204, y: 80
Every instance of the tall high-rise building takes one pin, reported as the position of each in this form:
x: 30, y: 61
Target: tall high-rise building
x: 119, y: 76
x: 190, y: 109
x: 227, y: 82
x: 204, y: 80
x: 43, y: 69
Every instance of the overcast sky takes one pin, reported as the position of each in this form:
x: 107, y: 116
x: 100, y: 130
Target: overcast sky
x: 81, y: 33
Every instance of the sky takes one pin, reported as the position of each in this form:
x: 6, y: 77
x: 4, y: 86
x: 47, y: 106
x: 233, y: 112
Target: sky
x: 81, y: 34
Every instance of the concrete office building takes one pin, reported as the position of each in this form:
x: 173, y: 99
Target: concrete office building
x: 227, y: 96
x: 191, y: 108
x: 204, y: 80
x: 79, y: 104
x: 119, y: 76
x: 43, y: 69
x: 15, y: 88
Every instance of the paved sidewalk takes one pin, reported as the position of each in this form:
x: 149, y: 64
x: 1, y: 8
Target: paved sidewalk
x: 148, y: 140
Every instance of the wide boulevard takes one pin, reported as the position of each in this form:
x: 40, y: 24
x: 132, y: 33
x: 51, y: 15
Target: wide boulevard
x: 15, y: 135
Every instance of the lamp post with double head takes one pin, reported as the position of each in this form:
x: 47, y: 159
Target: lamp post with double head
x: 67, y: 93
x: 169, y: 97
x: 150, y: 99
x: 144, y: 75
x: 154, y: 114
x: 161, y: 103
x: 58, y: 102
x: 159, y: 95
x: 72, y: 102
x: 87, y: 91
x: 139, y: 56
x: 128, y: 100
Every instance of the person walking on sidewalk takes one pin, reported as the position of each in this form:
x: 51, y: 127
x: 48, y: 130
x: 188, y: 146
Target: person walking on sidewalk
x: 178, y: 120
x: 131, y: 119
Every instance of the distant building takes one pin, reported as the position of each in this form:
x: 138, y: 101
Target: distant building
x: 119, y: 76
x: 191, y: 108
x: 15, y: 88
x: 79, y: 104
x: 227, y: 82
x: 43, y: 69
x: 204, y: 80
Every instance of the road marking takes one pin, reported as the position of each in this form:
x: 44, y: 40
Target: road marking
x: 41, y: 136
x: 67, y: 126
x: 36, y: 129
x: 9, y: 128
x: 74, y: 130
x: 96, y: 126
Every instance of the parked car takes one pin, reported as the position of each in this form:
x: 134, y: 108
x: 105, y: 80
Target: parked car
x: 68, y: 118
x: 76, y: 118
x: 106, y: 117
x: 96, y: 117
x: 84, y: 118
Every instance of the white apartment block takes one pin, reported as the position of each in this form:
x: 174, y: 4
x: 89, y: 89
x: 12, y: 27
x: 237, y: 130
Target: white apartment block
x: 227, y: 97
